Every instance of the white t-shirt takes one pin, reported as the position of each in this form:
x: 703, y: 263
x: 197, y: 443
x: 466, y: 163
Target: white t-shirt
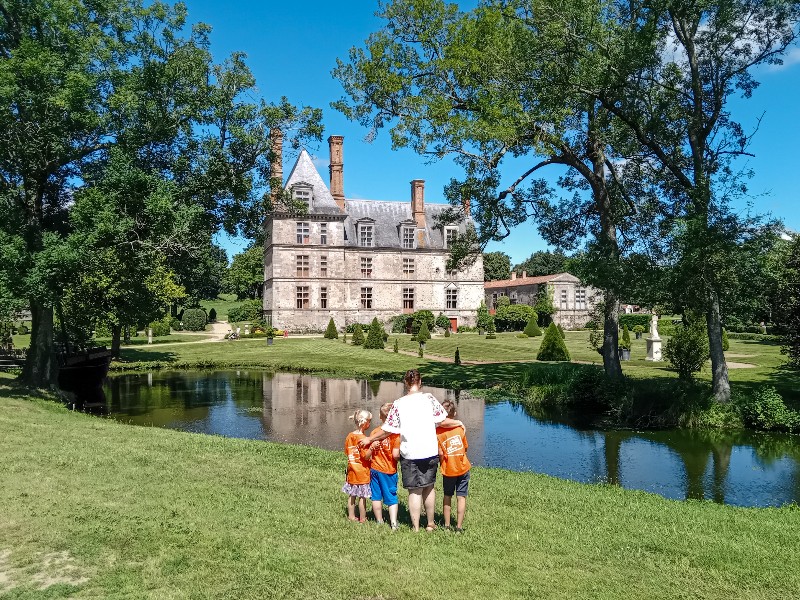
x: 415, y: 418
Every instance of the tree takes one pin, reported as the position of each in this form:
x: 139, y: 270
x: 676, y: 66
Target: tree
x: 789, y: 315
x: 625, y: 342
x: 358, y: 335
x: 513, y: 317
x: 494, y: 82
x: 375, y: 336
x: 496, y: 266
x: 666, y: 75
x: 330, y: 332
x: 484, y: 317
x: 457, y: 359
x: 553, y: 347
x: 245, y: 276
x: 490, y: 330
x: 424, y: 334
x: 544, y: 306
x: 542, y: 262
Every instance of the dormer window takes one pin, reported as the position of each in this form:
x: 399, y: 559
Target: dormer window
x: 366, y: 235
x: 303, y: 193
x: 450, y: 236
x: 408, y: 237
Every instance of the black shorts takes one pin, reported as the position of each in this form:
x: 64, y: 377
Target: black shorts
x: 419, y: 473
x: 458, y: 484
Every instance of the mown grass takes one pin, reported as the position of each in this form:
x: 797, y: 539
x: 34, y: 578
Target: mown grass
x: 222, y: 304
x: 152, y: 513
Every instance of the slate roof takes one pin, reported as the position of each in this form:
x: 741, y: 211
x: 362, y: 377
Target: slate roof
x: 505, y: 283
x: 304, y: 171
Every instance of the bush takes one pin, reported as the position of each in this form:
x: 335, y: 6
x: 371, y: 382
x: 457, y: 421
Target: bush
x: 726, y: 345
x: 194, y: 319
x: 490, y: 330
x: 175, y: 325
x: 400, y: 323
x: 442, y: 322
x: 766, y: 410
x: 760, y: 337
x: 212, y: 315
x: 625, y: 341
x: 423, y: 335
x: 358, y: 335
x: 514, y: 317
x: 466, y: 329
x: 396, y: 347
x: 330, y: 332
x: 447, y: 332
x: 632, y: 321
x: 561, y: 331
x: 23, y: 330
x: 532, y: 328
x: 484, y: 318
x: 553, y: 346
x: 352, y: 327
x: 638, y: 329
x: 457, y: 359
x: 420, y: 317
x: 374, y: 339
x: 160, y: 327
x: 687, y: 350
x: 249, y: 310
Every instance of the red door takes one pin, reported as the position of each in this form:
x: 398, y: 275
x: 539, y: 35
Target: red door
x: 453, y: 324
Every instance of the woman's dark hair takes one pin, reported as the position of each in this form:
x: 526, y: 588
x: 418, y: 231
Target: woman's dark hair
x: 412, y: 378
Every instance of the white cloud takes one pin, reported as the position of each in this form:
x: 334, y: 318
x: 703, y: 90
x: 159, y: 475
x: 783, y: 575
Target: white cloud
x: 322, y: 164
x: 792, y: 57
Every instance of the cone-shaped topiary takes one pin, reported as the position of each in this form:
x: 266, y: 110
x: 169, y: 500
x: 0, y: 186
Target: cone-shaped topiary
x: 374, y: 339
x: 490, y: 330
x: 726, y: 345
x: 458, y: 357
x: 423, y: 335
x: 330, y: 332
x: 212, y: 316
x: 532, y: 328
x: 358, y: 336
x: 344, y: 338
x: 625, y: 342
x: 561, y: 331
x: 447, y: 332
x: 421, y: 354
x: 396, y: 346
x: 553, y: 346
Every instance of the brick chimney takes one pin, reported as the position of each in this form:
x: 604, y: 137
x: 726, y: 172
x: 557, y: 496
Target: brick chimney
x: 418, y: 209
x: 276, y: 164
x: 513, y: 275
x: 335, y: 146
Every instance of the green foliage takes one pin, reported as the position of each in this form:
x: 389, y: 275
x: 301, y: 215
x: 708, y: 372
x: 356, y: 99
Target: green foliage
x: 23, y: 330
x: 175, y: 324
x: 375, y: 335
x: 400, y: 323
x: 457, y: 359
x: 442, y: 322
x: 635, y: 320
x: 423, y: 335
x: 396, y: 347
x: 552, y: 347
x: 490, y: 330
x: 543, y: 262
x: 194, y: 319
x: 502, y: 302
x: 532, y: 328
x: 561, y: 331
x: 420, y: 353
x: 245, y: 276
x: 513, y: 317
x: 212, y: 316
x: 766, y: 410
x: 726, y: 345
x: 330, y: 332
x: 161, y: 327
x: 496, y: 266
x: 358, y: 335
x: 687, y: 350
x: 352, y: 327
x: 447, y: 332
x: 638, y: 329
x: 625, y: 340
x: 249, y: 310
x: 484, y: 317
x: 420, y: 317
x: 344, y: 338
x: 544, y: 306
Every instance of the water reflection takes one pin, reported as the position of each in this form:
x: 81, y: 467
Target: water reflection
x: 740, y: 468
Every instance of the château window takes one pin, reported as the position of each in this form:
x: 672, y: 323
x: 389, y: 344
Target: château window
x: 365, y: 235
x: 323, y: 266
x: 323, y: 234
x: 408, y: 267
x: 408, y: 300
x: 450, y: 236
x: 408, y: 237
x: 494, y: 300
x: 366, y: 297
x: 452, y: 299
x: 564, y: 299
x: 302, y: 297
x: 366, y: 266
x: 302, y: 265
x: 303, y: 231
x: 303, y: 193
x: 513, y: 298
x: 580, y: 298
x: 323, y: 297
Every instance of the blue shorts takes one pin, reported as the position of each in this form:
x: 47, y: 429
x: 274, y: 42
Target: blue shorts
x: 384, y: 487
x: 456, y: 485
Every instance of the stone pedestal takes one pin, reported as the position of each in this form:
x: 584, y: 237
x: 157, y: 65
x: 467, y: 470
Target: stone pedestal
x: 149, y: 336
x: 654, y: 341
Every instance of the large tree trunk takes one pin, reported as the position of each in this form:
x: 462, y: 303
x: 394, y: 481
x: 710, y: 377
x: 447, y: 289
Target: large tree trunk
x: 116, y: 334
x: 719, y: 367
x: 40, y: 368
x: 611, y: 364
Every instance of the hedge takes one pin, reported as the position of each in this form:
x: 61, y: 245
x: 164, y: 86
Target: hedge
x: 249, y: 310
x: 632, y: 320
x: 194, y: 319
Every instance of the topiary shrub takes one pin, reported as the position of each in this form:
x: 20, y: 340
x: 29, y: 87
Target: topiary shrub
x: 687, y: 350
x: 396, y: 348
x: 344, y: 338
x: 423, y: 335
x: 175, y: 325
x: 490, y: 330
x: 374, y: 339
x: 400, y: 323
x: 212, y: 315
x: 561, y: 331
x: 532, y: 328
x: 420, y: 317
x: 553, y: 347
x: 447, y: 332
x: 484, y: 317
x: 442, y: 322
x: 330, y: 332
x: 358, y: 335
x: 457, y: 360
x: 726, y: 345
x: 160, y: 327
x: 767, y: 411
x: 625, y: 341
x: 638, y: 330
x: 194, y: 319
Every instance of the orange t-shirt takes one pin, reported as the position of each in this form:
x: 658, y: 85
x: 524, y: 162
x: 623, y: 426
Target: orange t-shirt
x: 357, y: 463
x: 453, y: 451
x: 382, y: 458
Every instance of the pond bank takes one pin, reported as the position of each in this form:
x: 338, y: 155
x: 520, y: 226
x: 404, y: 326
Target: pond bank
x: 129, y: 509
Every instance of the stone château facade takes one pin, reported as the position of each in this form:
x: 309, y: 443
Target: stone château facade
x: 354, y: 260
x: 573, y: 300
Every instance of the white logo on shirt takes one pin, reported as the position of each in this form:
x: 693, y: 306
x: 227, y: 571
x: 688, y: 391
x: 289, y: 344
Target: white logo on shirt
x: 454, y: 445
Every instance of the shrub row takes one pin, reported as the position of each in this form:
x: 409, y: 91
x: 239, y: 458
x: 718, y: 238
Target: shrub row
x: 249, y: 310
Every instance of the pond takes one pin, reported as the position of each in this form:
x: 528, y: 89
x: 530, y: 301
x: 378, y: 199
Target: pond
x: 742, y: 468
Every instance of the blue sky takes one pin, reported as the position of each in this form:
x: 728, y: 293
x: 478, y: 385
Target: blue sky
x: 293, y: 46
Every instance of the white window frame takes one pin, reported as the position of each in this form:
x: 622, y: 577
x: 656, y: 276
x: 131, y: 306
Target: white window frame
x: 448, y: 232
x: 564, y: 300
x: 303, y: 230
x: 304, y: 193
x: 409, y: 267
x: 580, y: 298
x: 409, y: 238
x: 366, y: 267
x: 366, y: 233
x: 451, y: 296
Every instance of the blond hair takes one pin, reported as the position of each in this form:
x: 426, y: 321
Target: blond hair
x: 385, y: 410
x: 361, y: 418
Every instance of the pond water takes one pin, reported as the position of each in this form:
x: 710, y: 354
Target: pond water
x: 744, y: 469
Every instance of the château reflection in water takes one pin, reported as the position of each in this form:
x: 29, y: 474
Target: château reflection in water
x: 742, y: 468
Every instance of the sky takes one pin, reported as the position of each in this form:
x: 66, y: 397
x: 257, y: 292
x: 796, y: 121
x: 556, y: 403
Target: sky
x: 293, y: 46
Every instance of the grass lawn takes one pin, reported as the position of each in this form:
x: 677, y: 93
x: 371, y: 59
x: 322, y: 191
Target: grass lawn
x: 222, y: 304
x: 95, y: 508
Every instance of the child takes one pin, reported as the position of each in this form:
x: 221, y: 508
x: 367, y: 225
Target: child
x: 358, y: 461
x: 383, y: 474
x: 455, y: 467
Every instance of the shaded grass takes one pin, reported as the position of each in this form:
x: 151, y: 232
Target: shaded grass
x: 153, y: 513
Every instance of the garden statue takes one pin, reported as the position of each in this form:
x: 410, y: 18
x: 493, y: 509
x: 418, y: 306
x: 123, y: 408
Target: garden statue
x: 654, y: 341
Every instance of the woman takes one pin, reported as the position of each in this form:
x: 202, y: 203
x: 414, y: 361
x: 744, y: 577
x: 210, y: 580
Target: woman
x: 415, y: 417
